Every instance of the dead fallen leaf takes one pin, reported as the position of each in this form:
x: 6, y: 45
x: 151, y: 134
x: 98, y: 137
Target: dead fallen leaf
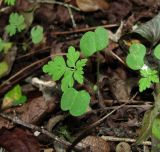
x: 36, y: 110
x: 92, y: 5
x: 96, y: 144
x: 18, y: 140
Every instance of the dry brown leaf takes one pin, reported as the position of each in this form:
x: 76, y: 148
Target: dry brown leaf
x: 92, y: 5
x: 36, y: 110
x: 96, y: 144
x: 18, y: 140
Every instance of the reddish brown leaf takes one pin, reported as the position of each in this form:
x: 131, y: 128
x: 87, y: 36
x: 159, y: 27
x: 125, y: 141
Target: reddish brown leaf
x: 18, y: 140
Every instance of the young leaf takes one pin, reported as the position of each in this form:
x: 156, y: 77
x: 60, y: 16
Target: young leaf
x: 80, y: 105
x: 72, y: 56
x: 148, y: 76
x: 37, y: 34
x: 67, y: 98
x: 78, y: 76
x: 144, y: 83
x: 10, y: 2
x: 92, y: 42
x: 81, y: 63
x: 75, y: 101
x: 135, y: 58
x: 67, y: 81
x: 16, y: 23
x: 13, y: 97
x: 88, y: 44
x: 134, y: 62
x: 102, y: 38
x: 157, y: 51
x: 138, y: 49
x: 55, y: 68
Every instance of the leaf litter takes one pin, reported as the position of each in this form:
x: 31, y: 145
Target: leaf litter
x: 116, y: 86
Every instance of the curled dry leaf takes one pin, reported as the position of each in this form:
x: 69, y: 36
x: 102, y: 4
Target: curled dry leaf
x: 96, y: 144
x: 92, y: 5
x: 18, y: 140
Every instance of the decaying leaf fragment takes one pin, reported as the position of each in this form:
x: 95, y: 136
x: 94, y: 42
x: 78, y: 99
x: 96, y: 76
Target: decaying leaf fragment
x: 96, y: 144
x: 18, y: 140
x: 92, y: 5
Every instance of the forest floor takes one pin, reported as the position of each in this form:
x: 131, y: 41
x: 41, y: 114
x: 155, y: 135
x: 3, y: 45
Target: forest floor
x: 114, y: 119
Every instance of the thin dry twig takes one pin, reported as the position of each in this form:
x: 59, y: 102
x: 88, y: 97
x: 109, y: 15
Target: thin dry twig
x: 84, y: 29
x: 117, y: 139
x: 18, y: 121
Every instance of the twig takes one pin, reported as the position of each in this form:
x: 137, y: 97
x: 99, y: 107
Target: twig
x: 117, y: 139
x: 18, y: 121
x: 72, y: 17
x: 83, y: 29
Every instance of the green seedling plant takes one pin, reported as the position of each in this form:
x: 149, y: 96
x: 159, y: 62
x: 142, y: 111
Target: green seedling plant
x: 10, y: 2
x: 16, y: 24
x: 71, y: 70
x: 149, y: 76
x: 37, y: 34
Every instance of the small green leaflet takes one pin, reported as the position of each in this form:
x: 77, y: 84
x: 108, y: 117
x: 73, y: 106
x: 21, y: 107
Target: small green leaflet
x: 92, y: 42
x: 55, y: 68
x: 37, y: 34
x: 16, y: 24
x: 10, y: 2
x: 149, y: 76
x: 72, y: 57
x: 67, y: 81
x: 157, y: 51
x: 135, y: 58
x: 13, y: 97
x: 71, y: 71
x: 75, y: 101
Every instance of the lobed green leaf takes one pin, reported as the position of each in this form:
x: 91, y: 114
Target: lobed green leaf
x: 55, y: 68
x: 92, y: 42
x: 72, y: 56
x: 75, y: 101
